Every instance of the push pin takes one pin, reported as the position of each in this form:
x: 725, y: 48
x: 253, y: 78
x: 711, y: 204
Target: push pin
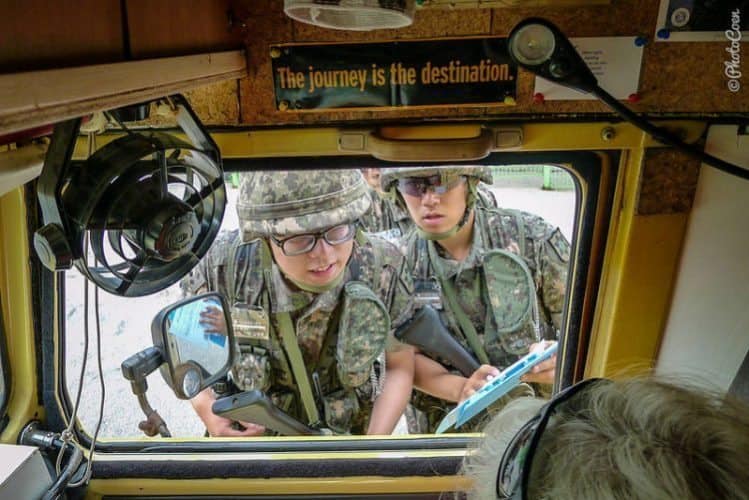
x: 663, y: 34
x: 538, y: 98
x: 633, y: 98
x: 509, y: 100
x: 641, y: 41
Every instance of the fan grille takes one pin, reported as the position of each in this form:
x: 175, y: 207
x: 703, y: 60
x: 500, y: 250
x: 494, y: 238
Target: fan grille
x: 124, y: 236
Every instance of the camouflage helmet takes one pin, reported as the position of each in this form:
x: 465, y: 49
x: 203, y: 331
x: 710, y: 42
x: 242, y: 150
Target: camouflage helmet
x: 296, y: 202
x: 390, y: 176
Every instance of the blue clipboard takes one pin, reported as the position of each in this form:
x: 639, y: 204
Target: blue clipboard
x: 508, y: 379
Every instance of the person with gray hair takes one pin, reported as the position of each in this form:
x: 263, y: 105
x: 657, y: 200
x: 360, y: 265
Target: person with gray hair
x: 614, y: 440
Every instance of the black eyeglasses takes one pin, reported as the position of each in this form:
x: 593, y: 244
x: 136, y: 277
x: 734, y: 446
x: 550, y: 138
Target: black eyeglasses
x: 418, y: 186
x: 303, y: 243
x: 514, y: 469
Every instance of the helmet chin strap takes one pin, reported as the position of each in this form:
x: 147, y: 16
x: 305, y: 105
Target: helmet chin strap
x: 450, y: 232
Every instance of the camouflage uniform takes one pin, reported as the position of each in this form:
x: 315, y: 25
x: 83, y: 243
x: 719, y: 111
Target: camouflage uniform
x: 384, y: 217
x: 545, y: 252
x: 500, y: 314
x: 341, y: 332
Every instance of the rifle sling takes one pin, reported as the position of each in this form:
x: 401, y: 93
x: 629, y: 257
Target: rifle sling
x: 466, y: 327
x: 297, y: 367
x: 294, y: 354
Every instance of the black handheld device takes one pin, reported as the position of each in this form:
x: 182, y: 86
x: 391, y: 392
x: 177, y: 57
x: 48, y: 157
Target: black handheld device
x: 256, y: 407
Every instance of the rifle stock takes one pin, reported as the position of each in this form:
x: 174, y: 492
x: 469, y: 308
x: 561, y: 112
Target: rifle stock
x: 256, y: 407
x: 426, y: 331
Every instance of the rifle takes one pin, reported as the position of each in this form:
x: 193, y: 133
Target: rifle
x: 426, y: 331
x: 256, y: 407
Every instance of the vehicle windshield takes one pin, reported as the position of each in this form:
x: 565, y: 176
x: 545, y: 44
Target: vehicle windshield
x: 547, y: 192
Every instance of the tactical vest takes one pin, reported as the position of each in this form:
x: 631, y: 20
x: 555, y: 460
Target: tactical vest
x: 513, y: 303
x: 338, y: 390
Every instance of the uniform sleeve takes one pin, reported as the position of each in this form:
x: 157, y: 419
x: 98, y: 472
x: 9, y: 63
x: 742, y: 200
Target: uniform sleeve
x: 396, y: 287
x: 196, y: 281
x: 552, y: 255
x: 486, y: 197
x: 210, y: 273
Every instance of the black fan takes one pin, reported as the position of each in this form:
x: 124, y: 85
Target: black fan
x: 139, y: 213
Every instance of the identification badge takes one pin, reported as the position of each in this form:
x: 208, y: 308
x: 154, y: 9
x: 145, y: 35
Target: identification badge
x: 250, y: 322
x: 428, y: 292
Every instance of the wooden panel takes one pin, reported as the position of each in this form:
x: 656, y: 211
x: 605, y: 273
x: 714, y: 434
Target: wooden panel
x: 266, y: 24
x: 36, y: 98
x: 258, y: 104
x: 38, y: 34
x: 675, y: 77
x: 678, y: 77
x: 179, y: 27
x: 215, y: 104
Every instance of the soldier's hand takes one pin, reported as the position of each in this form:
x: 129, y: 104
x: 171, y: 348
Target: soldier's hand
x: 224, y: 427
x: 542, y: 373
x: 477, y: 380
x: 212, y: 320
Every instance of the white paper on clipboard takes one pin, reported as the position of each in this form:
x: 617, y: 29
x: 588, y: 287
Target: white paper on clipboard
x: 614, y: 60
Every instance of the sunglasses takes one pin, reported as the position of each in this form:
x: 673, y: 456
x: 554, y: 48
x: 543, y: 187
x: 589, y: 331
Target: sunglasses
x: 439, y: 184
x: 303, y: 243
x: 514, y: 469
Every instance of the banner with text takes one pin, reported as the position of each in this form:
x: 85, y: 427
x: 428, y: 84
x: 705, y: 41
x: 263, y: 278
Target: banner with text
x: 394, y: 74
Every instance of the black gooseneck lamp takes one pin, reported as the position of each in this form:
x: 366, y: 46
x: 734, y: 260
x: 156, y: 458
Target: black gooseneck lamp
x: 540, y: 47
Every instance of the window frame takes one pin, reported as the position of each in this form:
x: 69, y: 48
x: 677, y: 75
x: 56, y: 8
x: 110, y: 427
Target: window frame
x: 587, y: 169
x: 5, y: 375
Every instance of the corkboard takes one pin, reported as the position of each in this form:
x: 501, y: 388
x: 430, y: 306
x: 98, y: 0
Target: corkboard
x: 685, y: 77
x: 215, y: 104
x: 668, y: 182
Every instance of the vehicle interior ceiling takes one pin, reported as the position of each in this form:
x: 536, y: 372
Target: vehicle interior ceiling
x: 658, y: 236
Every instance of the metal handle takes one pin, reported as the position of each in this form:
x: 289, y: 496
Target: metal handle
x: 472, y: 148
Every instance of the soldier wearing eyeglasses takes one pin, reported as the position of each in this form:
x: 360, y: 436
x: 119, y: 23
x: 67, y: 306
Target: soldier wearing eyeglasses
x: 498, y: 278
x: 315, y: 303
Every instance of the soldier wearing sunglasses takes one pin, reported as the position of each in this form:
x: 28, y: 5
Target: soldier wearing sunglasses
x: 315, y: 303
x: 640, y: 439
x: 496, y: 276
x: 390, y: 219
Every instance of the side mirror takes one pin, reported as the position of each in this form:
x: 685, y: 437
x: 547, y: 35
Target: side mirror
x: 197, y: 341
